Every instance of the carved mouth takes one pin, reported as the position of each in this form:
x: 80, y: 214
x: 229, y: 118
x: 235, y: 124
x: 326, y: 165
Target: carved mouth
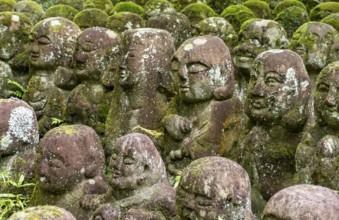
x: 34, y: 57
x: 184, y: 88
x: 258, y: 104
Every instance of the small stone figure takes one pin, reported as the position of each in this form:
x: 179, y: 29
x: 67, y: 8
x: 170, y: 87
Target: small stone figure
x: 91, y: 17
x: 31, y: 9
x: 205, y: 84
x: 214, y: 188
x: 277, y: 105
x: 96, y: 62
x: 14, y: 32
x: 144, y: 86
x: 313, y: 41
x: 43, y: 213
x: 323, y: 9
x: 302, y: 202
x: 122, y: 21
x: 69, y: 167
x: 52, y: 45
x: 18, y: 136
x: 137, y: 175
x: 318, y: 154
x: 255, y: 36
x: 236, y: 15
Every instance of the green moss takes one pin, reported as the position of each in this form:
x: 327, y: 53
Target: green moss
x: 105, y: 5
x: 283, y: 5
x: 77, y: 4
x: 124, y: 20
x: 197, y: 12
x: 237, y: 15
x: 7, y: 5
x: 90, y: 18
x: 259, y: 8
x: 64, y: 11
x: 66, y: 129
x: 153, y: 7
x: 324, y: 9
x: 128, y: 7
x: 25, y: 24
x: 31, y: 9
x: 291, y: 19
x: 333, y: 20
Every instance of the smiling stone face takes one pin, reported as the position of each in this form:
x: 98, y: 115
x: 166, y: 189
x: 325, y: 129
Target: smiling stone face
x: 326, y: 95
x: 213, y: 187
x: 278, y: 85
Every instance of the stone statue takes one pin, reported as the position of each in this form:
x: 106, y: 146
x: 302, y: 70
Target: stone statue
x: 69, y: 167
x: 52, y: 44
x: 139, y: 187
x: 43, y: 213
x: 318, y: 153
x: 277, y: 105
x: 96, y: 64
x: 214, y: 188
x: 255, y: 36
x: 193, y: 125
x: 302, y: 202
x: 144, y: 86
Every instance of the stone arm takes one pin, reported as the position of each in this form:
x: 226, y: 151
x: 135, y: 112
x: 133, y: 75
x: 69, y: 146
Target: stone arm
x: 177, y: 126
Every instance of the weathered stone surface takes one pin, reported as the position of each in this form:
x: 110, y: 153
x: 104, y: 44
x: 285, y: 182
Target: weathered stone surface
x: 43, y: 213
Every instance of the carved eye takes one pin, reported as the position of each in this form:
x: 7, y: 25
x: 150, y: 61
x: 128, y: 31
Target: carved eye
x: 88, y: 47
x: 175, y: 65
x: 322, y: 87
x: 204, y: 201
x: 44, y: 40
x: 273, y: 78
x: 129, y: 160
x: 197, y: 67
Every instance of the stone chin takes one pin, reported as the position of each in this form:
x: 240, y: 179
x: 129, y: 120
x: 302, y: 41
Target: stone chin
x: 242, y: 62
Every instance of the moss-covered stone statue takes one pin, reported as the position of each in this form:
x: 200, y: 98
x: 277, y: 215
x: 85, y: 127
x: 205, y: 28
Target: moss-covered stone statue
x: 96, y: 64
x: 323, y: 9
x: 220, y: 27
x: 77, y: 4
x: 214, y: 188
x: 7, y: 5
x: 332, y: 19
x: 255, y: 36
x: 302, y: 202
x: 14, y: 32
x: 105, y: 5
x: 64, y: 11
x: 123, y: 21
x: 216, y: 5
x: 193, y: 125
x: 31, y: 9
x: 237, y: 15
x: 174, y: 22
x: 18, y: 137
x: 153, y: 7
x: 43, y: 213
x: 197, y: 12
x: 70, y: 167
x: 139, y: 187
x: 283, y: 5
x: 128, y: 7
x: 317, y: 155
x: 52, y: 42
x: 91, y: 17
x: 291, y: 19
x: 144, y: 85
x: 277, y: 105
x: 314, y: 42
x: 260, y: 8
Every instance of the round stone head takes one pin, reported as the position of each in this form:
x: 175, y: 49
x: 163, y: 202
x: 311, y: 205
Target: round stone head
x: 313, y: 42
x: 96, y: 50
x: 278, y: 90
x: 52, y: 43
x: 146, y: 57
x: 135, y: 163
x: 302, y: 202
x: 213, y: 188
x: 14, y: 31
x: 204, y: 68
x: 43, y: 213
x: 256, y: 36
x: 327, y: 97
x: 69, y: 155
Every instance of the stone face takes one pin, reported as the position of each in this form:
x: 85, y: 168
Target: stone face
x: 69, y: 167
x: 212, y: 188
x: 137, y: 175
x: 43, y: 213
x: 302, y: 202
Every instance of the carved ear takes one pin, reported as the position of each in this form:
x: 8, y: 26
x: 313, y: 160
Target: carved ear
x: 226, y: 91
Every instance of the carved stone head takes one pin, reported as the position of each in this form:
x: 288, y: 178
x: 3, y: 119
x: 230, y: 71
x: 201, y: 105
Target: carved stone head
x: 69, y: 155
x: 256, y: 36
x: 135, y: 163
x: 204, y: 68
x: 52, y: 43
x: 213, y: 187
x: 302, y: 202
x: 278, y: 89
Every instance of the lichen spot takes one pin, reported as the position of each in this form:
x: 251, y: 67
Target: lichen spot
x: 199, y: 41
x: 188, y: 47
x: 111, y: 34
x: 15, y: 18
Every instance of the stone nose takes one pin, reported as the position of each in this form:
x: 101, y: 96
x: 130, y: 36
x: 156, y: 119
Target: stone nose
x: 258, y: 89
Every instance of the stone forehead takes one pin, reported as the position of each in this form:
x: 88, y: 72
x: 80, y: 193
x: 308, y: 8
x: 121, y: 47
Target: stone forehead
x: 57, y: 25
x: 276, y: 55
x: 100, y: 36
x: 147, y: 35
x: 332, y: 68
x: 318, y: 28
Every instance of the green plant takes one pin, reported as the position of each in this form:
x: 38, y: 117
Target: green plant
x: 15, y: 193
x: 177, y: 180
x: 57, y: 121
x: 19, y: 91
